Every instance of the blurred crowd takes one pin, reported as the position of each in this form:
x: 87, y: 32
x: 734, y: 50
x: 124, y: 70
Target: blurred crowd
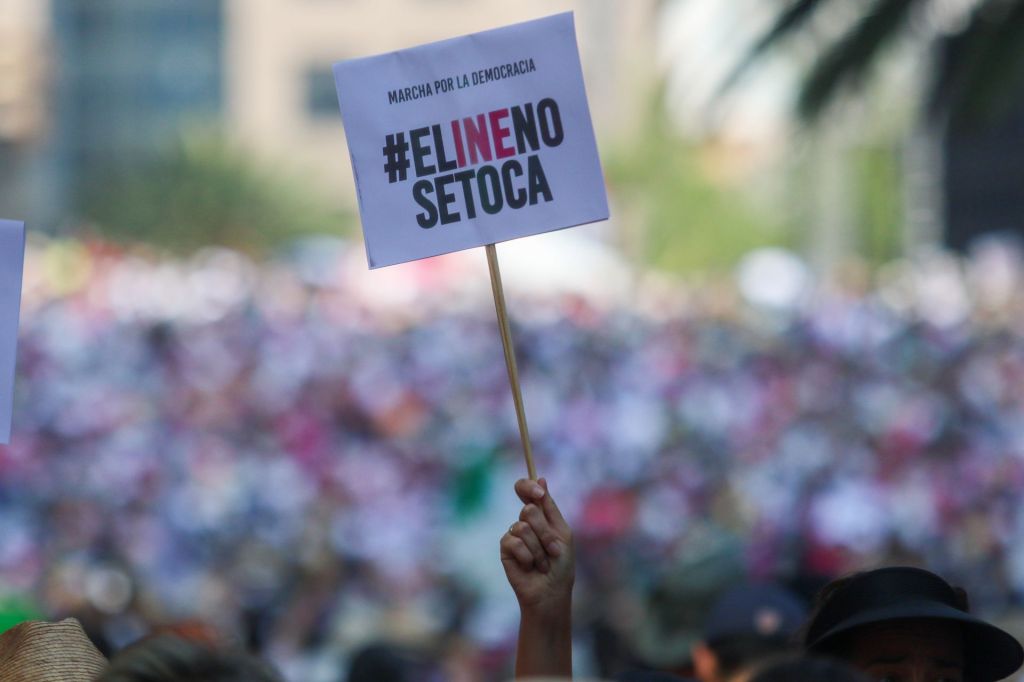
x: 275, y: 452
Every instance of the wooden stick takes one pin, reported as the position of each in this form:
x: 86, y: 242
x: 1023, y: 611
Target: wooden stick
x: 510, y: 356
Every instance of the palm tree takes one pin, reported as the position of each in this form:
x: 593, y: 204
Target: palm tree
x: 976, y: 75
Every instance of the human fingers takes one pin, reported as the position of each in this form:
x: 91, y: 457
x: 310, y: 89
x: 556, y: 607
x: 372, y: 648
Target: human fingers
x: 529, y: 491
x: 524, y: 532
x: 552, y: 511
x: 515, y: 549
x: 534, y: 516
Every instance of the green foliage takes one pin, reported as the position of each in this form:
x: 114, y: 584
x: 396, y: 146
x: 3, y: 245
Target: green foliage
x: 789, y: 20
x: 203, y: 191
x: 978, y: 77
x: 848, y: 61
x: 880, y: 210
x: 677, y: 219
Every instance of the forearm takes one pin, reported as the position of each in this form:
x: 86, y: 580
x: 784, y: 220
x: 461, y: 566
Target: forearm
x: 545, y: 642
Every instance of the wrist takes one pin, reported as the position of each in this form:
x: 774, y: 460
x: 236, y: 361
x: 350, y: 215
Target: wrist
x: 545, y: 640
x: 552, y: 611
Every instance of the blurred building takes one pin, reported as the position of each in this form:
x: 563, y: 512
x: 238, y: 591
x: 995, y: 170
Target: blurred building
x: 280, y: 90
x: 88, y: 86
x: 981, y: 165
x: 964, y: 171
x: 131, y: 75
x: 23, y: 38
x: 24, y: 41
x: 982, y: 191
x: 93, y: 85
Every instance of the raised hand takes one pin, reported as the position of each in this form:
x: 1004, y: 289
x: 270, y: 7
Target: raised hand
x: 538, y: 556
x: 537, y: 550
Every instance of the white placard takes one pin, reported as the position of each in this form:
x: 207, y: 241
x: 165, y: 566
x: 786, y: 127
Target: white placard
x: 12, y: 260
x: 471, y: 141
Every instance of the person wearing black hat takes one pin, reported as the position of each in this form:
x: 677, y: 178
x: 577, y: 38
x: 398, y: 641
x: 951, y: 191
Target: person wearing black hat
x: 747, y: 625
x: 896, y: 624
x: 904, y: 624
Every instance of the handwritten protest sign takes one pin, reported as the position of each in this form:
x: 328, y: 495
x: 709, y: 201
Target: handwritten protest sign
x: 471, y: 141
x: 12, y: 258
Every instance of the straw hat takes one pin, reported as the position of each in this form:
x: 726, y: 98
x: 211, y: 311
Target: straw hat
x: 38, y: 651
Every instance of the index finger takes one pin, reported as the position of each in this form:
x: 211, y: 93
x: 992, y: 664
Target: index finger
x: 530, y: 492
x: 551, y: 510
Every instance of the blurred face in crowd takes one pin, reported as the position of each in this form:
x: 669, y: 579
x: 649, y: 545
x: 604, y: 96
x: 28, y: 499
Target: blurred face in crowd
x: 708, y: 669
x: 909, y: 651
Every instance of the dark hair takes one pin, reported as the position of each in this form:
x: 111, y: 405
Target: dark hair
x: 808, y: 669
x: 387, y: 662
x: 736, y: 653
x: 169, y: 658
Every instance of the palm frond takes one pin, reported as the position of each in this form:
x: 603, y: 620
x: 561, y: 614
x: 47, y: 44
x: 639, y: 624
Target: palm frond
x: 848, y: 60
x: 790, y: 20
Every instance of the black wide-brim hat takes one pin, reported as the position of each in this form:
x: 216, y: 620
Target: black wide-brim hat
x: 903, y: 593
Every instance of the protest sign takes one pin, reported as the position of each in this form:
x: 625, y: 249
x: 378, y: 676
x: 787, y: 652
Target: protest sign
x: 471, y: 141
x: 12, y: 258
x: 485, y: 138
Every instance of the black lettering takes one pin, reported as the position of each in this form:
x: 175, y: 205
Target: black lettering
x: 537, y: 180
x: 513, y: 197
x: 428, y: 219
x: 443, y: 164
x: 467, y: 191
x: 445, y: 199
x: 524, y: 123
x: 419, y: 151
x: 490, y: 197
x: 550, y: 122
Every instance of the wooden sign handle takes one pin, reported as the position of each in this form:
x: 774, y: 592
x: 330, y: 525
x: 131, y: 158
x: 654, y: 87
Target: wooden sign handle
x: 510, y: 356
